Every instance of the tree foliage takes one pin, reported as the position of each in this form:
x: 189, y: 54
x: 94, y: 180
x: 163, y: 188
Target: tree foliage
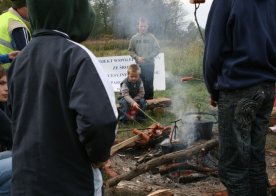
x: 4, y: 5
x: 119, y: 17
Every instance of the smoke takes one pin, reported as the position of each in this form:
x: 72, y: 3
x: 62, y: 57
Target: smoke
x: 166, y: 18
x: 180, y: 108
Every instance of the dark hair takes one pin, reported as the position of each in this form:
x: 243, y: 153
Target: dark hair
x: 18, y: 3
x: 2, y: 71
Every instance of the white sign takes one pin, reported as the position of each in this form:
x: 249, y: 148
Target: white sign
x: 116, y: 69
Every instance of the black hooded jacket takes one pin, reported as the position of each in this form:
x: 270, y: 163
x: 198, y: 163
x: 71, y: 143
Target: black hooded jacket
x: 63, y: 107
x: 240, y: 44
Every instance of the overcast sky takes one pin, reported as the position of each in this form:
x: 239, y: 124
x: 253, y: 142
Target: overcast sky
x: 202, y: 12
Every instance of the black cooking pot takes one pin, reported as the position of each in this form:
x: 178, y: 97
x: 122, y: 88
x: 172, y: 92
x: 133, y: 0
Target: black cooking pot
x: 203, y: 128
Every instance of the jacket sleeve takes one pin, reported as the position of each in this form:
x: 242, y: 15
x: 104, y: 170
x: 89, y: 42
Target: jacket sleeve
x: 141, y: 93
x: 6, y: 131
x: 20, y: 38
x: 4, y: 58
x: 155, y: 48
x: 125, y: 94
x: 93, y: 100
x: 215, y: 43
x: 131, y: 48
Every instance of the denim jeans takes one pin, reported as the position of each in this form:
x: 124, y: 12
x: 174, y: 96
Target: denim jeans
x: 125, y: 106
x: 5, y: 173
x: 98, y: 181
x: 243, y: 122
x: 147, y: 76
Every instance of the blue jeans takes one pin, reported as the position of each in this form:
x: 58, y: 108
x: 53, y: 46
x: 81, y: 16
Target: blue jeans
x: 125, y: 106
x: 147, y: 76
x: 5, y: 173
x: 243, y: 122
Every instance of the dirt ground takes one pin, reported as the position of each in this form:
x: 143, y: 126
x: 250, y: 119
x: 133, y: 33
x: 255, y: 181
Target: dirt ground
x: 125, y: 161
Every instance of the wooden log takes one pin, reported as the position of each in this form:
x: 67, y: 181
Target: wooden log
x: 159, y: 102
x: 125, y: 143
x: 185, y: 166
x: 194, y: 177
x: 167, y: 158
x: 126, y: 188
x: 161, y: 192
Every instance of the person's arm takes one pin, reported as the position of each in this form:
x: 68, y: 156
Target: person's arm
x: 125, y: 94
x: 215, y: 41
x: 4, y: 59
x: 7, y: 58
x: 131, y: 49
x: 96, y: 112
x: 20, y: 38
x: 155, y: 47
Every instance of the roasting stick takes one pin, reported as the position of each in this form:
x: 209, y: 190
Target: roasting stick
x: 148, y: 116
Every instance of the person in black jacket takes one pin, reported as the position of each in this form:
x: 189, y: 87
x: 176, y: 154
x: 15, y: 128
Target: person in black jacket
x: 240, y: 75
x: 5, y: 138
x: 63, y: 110
x: 5, y: 128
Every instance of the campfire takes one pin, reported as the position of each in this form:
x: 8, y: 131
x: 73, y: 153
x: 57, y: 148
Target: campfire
x: 165, y: 152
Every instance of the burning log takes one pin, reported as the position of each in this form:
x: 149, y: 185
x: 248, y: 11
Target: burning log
x: 185, y: 166
x: 148, y: 156
x: 194, y: 177
x: 167, y: 158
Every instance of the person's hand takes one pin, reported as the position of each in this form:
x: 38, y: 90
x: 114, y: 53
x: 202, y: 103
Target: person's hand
x: 213, y: 102
x: 98, y: 165
x: 140, y: 59
x: 13, y: 54
x: 135, y: 105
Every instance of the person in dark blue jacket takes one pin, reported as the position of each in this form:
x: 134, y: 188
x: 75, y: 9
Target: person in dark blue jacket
x: 63, y: 110
x: 240, y: 75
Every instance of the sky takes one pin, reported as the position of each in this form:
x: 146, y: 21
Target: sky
x: 202, y: 12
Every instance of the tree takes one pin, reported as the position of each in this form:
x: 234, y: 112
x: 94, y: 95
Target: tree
x: 119, y: 17
x: 4, y: 5
x: 165, y: 16
x: 103, y: 21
